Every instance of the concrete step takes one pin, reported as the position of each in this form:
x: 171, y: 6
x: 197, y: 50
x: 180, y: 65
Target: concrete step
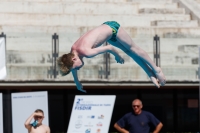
x: 167, y: 46
x: 27, y: 58
x: 67, y: 1
x: 34, y: 72
x: 165, y: 32
x: 44, y: 42
x: 151, y: 1
x: 68, y: 8
x: 161, y: 11
x: 88, y: 72
x: 184, y: 24
x: 129, y: 72
x: 85, y: 1
x: 173, y: 52
x: 42, y: 58
x: 84, y: 20
x: 92, y: 72
x: 76, y: 31
x: 79, y: 8
x: 180, y: 73
x: 158, y: 5
x: 192, y: 6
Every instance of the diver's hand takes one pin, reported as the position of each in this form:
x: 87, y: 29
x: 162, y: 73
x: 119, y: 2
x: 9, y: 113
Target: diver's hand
x: 80, y: 87
x: 119, y: 59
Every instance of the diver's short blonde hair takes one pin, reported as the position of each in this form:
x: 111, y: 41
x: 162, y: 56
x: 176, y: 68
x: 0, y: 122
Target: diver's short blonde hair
x: 65, y: 63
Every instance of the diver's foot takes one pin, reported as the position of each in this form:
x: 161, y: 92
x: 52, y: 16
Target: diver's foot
x: 161, y: 77
x: 155, y: 81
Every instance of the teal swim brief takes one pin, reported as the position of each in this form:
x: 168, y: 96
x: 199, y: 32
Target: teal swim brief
x: 115, y: 26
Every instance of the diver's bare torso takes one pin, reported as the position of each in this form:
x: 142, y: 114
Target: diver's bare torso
x: 40, y: 129
x: 92, y: 39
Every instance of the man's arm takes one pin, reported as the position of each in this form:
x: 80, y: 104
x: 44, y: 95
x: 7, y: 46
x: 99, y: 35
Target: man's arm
x: 158, y: 128
x: 121, y: 130
x: 77, y: 82
x: 27, y: 122
x: 48, y: 130
x: 108, y: 48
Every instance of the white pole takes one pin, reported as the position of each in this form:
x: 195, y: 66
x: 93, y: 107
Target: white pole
x: 2, y: 59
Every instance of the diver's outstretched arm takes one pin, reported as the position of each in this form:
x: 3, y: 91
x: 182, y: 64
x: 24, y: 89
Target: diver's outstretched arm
x: 77, y: 82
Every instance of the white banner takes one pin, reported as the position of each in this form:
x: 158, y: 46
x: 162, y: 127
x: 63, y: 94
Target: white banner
x: 1, y: 113
x: 91, y: 114
x: 24, y: 104
x: 2, y: 58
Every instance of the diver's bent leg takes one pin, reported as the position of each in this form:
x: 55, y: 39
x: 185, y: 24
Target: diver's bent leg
x: 146, y: 68
x: 140, y: 62
x: 124, y: 39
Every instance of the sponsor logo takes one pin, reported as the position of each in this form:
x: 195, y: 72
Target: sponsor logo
x: 98, y: 130
x: 78, y: 124
x: 88, y: 130
x: 80, y: 116
x: 88, y: 125
x: 99, y: 124
x: 101, y: 117
x: 78, y: 101
x: 91, y: 116
x: 83, y: 105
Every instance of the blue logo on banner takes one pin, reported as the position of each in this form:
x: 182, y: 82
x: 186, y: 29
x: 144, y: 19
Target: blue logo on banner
x: 78, y: 101
x: 91, y: 116
x: 83, y: 105
x: 87, y: 131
